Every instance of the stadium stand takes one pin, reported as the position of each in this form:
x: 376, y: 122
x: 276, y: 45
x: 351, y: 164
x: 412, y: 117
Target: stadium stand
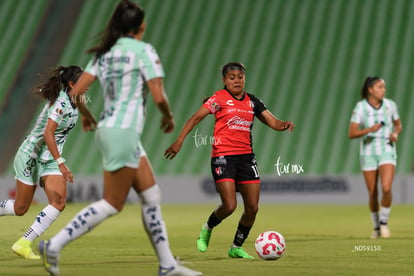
x: 305, y: 59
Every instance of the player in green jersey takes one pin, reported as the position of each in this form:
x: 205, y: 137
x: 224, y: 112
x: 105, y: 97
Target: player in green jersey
x: 39, y: 158
x: 376, y: 121
x: 125, y: 66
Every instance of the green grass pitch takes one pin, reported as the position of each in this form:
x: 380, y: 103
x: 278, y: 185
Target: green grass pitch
x: 321, y: 240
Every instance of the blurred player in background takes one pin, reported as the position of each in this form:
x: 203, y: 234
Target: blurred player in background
x: 233, y: 163
x: 375, y: 119
x: 39, y: 158
x: 125, y: 66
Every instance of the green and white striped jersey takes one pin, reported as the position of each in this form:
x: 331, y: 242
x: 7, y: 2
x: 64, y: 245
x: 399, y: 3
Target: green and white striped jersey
x: 64, y: 114
x: 123, y: 72
x: 376, y: 143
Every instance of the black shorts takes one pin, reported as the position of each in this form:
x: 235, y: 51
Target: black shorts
x: 240, y: 169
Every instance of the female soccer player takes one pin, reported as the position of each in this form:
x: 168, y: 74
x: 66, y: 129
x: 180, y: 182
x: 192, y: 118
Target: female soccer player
x: 124, y: 65
x: 39, y: 158
x: 233, y: 163
x: 375, y: 119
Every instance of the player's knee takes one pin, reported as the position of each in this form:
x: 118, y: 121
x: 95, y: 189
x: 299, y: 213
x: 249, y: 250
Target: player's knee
x: 20, y: 210
x: 151, y: 196
x: 229, y: 207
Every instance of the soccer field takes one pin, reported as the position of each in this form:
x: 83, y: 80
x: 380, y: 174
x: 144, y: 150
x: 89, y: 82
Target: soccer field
x: 320, y: 239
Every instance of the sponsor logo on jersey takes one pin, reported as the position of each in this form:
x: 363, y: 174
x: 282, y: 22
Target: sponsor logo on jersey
x: 230, y: 102
x: 237, y: 122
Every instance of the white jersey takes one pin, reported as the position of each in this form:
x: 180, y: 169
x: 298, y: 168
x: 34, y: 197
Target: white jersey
x: 64, y: 114
x: 364, y: 114
x: 123, y: 72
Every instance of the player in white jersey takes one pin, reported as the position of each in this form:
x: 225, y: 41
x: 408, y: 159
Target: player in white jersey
x: 39, y: 158
x: 376, y: 121
x: 125, y: 66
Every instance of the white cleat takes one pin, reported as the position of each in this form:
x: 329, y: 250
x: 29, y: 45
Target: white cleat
x: 385, y: 231
x: 50, y: 259
x: 178, y: 270
x: 376, y: 234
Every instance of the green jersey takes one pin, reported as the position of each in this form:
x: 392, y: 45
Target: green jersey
x: 64, y: 114
x: 364, y: 114
x: 123, y: 72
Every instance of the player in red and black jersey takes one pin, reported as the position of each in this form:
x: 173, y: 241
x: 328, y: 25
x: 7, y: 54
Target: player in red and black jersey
x: 233, y: 163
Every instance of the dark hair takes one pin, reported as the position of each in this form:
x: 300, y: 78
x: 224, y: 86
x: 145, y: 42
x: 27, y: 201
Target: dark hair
x: 232, y: 66
x: 126, y: 18
x: 58, y: 79
x: 368, y: 83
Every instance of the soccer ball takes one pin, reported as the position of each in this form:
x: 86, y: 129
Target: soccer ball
x: 270, y: 245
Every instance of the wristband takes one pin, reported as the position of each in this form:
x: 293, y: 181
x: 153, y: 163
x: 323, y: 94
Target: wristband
x: 60, y: 160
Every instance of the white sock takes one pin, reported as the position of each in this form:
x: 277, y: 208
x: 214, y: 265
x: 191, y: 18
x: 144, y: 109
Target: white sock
x: 384, y: 213
x: 155, y: 226
x: 42, y: 222
x: 7, y: 208
x: 82, y: 223
x: 375, y: 219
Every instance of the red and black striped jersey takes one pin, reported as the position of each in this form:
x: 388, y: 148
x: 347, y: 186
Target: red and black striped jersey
x: 234, y: 121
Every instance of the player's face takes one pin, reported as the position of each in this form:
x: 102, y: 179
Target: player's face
x: 377, y: 91
x: 234, y: 81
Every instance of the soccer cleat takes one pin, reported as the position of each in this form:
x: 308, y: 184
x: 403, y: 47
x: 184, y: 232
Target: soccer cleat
x: 203, y: 239
x: 22, y: 248
x: 177, y: 270
x: 375, y: 234
x: 385, y: 231
x: 50, y: 259
x: 238, y: 252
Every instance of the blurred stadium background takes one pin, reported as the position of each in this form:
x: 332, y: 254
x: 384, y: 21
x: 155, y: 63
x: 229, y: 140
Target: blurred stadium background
x: 306, y: 59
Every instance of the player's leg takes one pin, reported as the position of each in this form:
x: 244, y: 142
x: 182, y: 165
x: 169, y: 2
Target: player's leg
x: 150, y: 195
x: 387, y: 172
x: 116, y: 187
x: 227, y: 191
x: 250, y: 194
x: 19, y: 206
x: 26, y: 175
x: 371, y: 179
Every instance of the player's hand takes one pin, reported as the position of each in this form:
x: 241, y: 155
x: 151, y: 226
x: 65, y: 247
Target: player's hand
x: 289, y: 126
x: 394, y: 137
x: 167, y: 124
x: 375, y: 127
x: 67, y: 174
x: 172, y: 151
x: 88, y: 123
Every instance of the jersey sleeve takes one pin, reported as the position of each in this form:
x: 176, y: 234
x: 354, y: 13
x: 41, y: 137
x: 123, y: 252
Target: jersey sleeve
x: 57, y: 110
x: 258, y: 105
x: 151, y: 66
x: 91, y: 67
x: 395, y: 115
x: 212, y: 104
x: 357, y: 114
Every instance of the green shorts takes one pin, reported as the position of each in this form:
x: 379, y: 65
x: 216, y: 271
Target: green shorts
x: 372, y: 162
x: 119, y: 148
x: 29, y: 170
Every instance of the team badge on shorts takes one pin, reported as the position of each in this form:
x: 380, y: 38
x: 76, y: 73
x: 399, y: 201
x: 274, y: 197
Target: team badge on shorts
x: 219, y: 170
x: 27, y: 172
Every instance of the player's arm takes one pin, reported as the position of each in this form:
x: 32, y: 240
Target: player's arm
x: 81, y: 86
x: 271, y: 121
x: 156, y: 87
x: 197, y: 117
x: 355, y: 131
x: 397, y: 130
x: 76, y: 94
x: 49, y: 136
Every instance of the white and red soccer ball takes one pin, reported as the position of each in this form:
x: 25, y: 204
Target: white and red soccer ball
x: 270, y: 245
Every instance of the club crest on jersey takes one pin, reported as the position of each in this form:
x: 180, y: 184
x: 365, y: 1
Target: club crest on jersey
x: 219, y: 170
